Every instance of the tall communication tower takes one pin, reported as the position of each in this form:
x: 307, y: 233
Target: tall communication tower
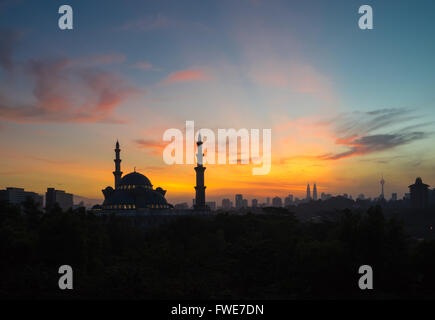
x: 382, y: 182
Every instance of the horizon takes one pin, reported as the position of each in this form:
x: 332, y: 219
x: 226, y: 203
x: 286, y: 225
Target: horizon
x: 345, y: 106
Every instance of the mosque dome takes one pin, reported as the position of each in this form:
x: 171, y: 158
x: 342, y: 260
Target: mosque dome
x: 135, y: 179
x: 132, y: 191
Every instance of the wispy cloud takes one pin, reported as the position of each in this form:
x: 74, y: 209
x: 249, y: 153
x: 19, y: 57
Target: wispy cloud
x: 65, y: 89
x: 375, y: 131
x: 187, y: 76
x: 156, y: 147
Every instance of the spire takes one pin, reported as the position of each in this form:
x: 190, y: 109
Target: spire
x: 199, y: 155
x: 308, y: 192
x: 199, y: 169
x: 382, y: 182
x: 117, y: 173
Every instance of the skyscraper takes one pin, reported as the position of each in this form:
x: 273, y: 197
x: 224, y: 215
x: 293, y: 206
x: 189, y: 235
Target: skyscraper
x: 288, y: 201
x: 239, y: 201
x: 226, y: 204
x: 254, y: 203
x: 315, y: 192
x: 308, y: 193
x: 277, y: 202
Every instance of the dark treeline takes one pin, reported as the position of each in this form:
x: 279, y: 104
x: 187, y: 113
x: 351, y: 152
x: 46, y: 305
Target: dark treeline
x: 269, y: 256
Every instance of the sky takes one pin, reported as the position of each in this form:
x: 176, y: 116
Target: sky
x: 345, y: 106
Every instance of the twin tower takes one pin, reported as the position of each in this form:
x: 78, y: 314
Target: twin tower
x: 314, y: 193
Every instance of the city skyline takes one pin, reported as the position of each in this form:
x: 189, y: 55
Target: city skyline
x: 345, y: 106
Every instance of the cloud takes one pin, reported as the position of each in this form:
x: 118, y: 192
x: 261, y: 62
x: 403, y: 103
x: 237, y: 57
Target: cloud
x: 359, y: 132
x: 156, y: 147
x: 187, y: 76
x: 66, y: 90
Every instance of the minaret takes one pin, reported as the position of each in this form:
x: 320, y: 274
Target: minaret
x: 315, y: 192
x: 308, y: 192
x: 200, y: 188
x: 117, y: 173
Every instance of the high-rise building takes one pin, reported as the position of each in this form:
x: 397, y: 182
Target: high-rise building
x: 267, y: 201
x: 254, y: 203
x: 226, y: 204
x: 308, y: 193
x: 239, y: 201
x: 288, y: 201
x: 63, y: 199
x: 18, y: 196
x: 419, y: 194
x: 277, y: 202
x: 315, y: 192
x: 394, y: 197
x: 245, y: 203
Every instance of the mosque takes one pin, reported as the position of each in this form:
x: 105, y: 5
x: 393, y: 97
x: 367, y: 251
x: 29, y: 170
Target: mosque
x: 133, y: 192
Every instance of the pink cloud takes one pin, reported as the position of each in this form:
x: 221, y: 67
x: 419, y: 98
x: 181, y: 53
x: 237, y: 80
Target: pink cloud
x: 64, y: 92
x: 187, y: 76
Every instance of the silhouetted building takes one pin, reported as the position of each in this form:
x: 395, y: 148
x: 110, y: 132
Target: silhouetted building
x: 314, y: 197
x: 394, y: 197
x: 239, y: 201
x: 63, y: 199
x: 254, y: 203
x: 245, y: 203
x: 288, y: 201
x: 277, y: 202
x: 181, y: 206
x: 211, y: 205
x: 419, y: 194
x: 133, y: 191
x: 226, y: 204
x: 18, y: 196
x: 308, y: 193
x: 267, y: 201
